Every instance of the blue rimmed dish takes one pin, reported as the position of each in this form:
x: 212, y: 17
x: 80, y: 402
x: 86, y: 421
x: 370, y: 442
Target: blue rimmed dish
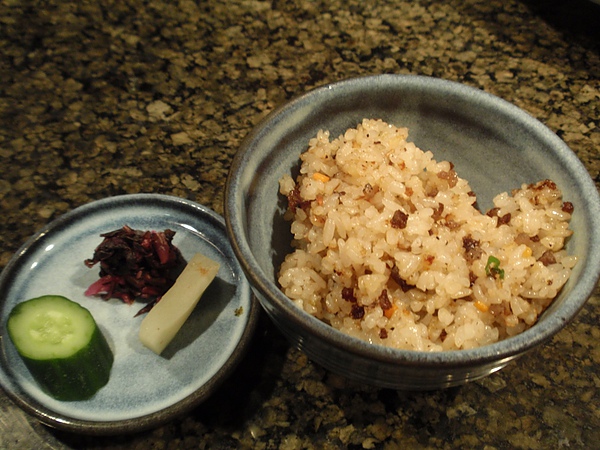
x: 144, y: 390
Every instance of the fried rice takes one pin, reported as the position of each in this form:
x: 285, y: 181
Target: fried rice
x: 389, y: 245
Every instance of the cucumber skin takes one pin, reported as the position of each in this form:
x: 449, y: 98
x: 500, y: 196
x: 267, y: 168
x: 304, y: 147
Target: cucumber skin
x: 77, y: 377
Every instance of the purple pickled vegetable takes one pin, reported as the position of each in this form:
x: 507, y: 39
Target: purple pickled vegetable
x: 135, y: 266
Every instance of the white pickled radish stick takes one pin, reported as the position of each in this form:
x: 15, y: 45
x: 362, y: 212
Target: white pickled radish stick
x: 164, y: 320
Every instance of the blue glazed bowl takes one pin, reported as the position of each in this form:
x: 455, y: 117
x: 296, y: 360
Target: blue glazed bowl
x: 493, y: 144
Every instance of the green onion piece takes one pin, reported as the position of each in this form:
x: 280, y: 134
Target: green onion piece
x: 492, y: 268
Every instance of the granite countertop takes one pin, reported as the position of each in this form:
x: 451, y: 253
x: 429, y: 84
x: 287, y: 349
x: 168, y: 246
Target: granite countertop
x: 111, y: 97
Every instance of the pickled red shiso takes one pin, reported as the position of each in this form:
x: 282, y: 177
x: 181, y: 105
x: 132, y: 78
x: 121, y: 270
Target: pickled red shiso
x: 135, y: 265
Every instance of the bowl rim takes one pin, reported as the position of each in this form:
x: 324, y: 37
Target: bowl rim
x: 507, y: 348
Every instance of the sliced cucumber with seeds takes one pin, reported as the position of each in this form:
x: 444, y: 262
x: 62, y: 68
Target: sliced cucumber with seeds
x: 61, y: 345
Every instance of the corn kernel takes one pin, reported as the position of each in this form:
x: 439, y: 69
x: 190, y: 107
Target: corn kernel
x: 481, y: 306
x: 527, y: 252
x: 318, y: 176
x: 390, y: 311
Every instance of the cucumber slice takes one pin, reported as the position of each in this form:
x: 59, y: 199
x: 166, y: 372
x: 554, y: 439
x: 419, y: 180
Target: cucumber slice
x: 61, y: 345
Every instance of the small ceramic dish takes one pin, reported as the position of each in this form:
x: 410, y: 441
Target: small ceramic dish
x: 144, y: 390
x: 493, y: 144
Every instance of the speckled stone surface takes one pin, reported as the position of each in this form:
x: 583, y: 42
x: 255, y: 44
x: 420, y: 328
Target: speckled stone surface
x: 110, y: 97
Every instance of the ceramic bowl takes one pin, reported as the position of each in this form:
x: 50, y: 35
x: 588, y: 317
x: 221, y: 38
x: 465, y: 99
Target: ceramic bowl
x: 492, y: 143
